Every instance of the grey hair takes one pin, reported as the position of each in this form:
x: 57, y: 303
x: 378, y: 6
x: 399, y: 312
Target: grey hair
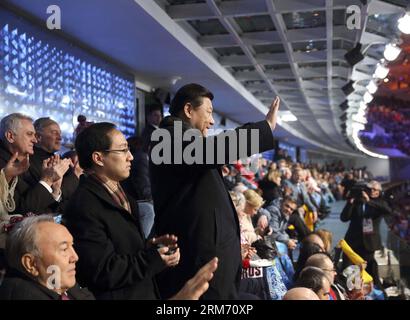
x: 375, y: 184
x: 23, y: 239
x: 12, y: 122
x: 42, y: 123
x: 238, y: 198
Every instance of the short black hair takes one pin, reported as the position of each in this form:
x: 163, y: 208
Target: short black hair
x: 81, y: 118
x: 311, y: 278
x: 191, y: 93
x: 94, y: 138
x: 307, y: 249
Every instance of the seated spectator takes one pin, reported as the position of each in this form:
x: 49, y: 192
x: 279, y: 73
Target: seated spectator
x: 323, y: 261
x: 38, y: 243
x: 315, y: 279
x: 300, y: 294
x: 17, y: 139
x: 271, y: 186
x: 316, y: 239
x: 299, y: 193
x: 279, y: 219
x: 48, y: 134
x: 33, y: 246
x: 327, y: 239
x: 253, y: 203
x: 307, y: 249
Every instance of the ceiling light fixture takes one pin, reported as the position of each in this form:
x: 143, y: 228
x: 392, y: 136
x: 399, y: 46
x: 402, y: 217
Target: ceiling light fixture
x: 355, y: 55
x: 381, y: 71
x: 367, y: 97
x: 391, y: 52
x: 287, y: 116
x: 404, y: 23
x: 372, y: 87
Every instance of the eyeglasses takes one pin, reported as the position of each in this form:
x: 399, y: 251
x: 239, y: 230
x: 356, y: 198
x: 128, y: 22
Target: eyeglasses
x: 330, y: 270
x: 374, y: 189
x: 124, y: 151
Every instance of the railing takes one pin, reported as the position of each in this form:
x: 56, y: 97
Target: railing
x: 394, y: 192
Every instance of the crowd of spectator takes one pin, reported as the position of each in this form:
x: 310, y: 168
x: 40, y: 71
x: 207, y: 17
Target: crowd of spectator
x: 395, y: 120
x: 279, y: 204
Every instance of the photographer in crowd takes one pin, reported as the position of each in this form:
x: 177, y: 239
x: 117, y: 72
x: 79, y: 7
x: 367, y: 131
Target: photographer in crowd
x: 364, y: 209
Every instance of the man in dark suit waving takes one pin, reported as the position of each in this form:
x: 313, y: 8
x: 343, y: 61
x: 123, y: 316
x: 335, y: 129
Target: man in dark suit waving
x: 190, y: 198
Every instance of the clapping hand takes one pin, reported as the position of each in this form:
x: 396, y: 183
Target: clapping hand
x: 15, y: 168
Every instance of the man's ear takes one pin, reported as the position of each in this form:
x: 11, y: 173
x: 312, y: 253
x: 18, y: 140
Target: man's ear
x: 38, y: 137
x: 29, y: 264
x: 188, y: 110
x: 98, y: 158
x: 10, y: 136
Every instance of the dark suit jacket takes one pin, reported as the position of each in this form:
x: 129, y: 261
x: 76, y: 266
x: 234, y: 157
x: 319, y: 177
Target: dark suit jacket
x: 28, y: 198
x: 191, y: 201
x: 21, y: 287
x: 375, y: 209
x: 138, y: 184
x: 33, y: 176
x: 146, y: 136
x: 114, y: 261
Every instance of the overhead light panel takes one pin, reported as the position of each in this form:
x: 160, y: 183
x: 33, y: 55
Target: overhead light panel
x: 391, y: 52
x: 287, y: 116
x: 344, y: 105
x: 372, y: 87
x: 367, y: 97
x: 404, y: 24
x: 348, y: 88
x: 355, y: 55
x: 381, y: 71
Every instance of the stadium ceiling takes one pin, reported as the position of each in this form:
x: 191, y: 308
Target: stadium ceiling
x: 258, y: 49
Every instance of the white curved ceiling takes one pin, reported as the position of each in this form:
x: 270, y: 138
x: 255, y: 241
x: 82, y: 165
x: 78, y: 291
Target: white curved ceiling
x: 245, y: 51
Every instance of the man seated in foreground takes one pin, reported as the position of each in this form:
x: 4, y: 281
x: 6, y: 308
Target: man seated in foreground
x: 42, y: 264
x: 300, y: 294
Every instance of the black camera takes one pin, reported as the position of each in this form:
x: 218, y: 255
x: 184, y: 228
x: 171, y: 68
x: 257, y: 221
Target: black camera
x: 356, y: 191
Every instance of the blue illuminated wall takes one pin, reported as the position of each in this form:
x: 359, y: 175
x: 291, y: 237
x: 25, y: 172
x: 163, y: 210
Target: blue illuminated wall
x: 43, y: 78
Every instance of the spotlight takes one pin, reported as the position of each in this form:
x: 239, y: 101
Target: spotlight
x: 391, y: 52
x: 404, y: 24
x: 372, y: 87
x: 344, y: 105
x: 381, y: 71
x: 348, y: 88
x: 367, y: 97
x: 355, y: 55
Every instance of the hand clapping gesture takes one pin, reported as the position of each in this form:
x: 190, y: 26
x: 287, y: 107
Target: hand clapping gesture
x: 15, y: 168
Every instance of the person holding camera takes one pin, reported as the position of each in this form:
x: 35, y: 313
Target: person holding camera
x: 364, y: 209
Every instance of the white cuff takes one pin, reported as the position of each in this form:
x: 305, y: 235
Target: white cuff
x: 46, y: 185
x: 49, y: 189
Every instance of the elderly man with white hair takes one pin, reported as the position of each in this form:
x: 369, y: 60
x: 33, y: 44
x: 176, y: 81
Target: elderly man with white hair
x: 365, y: 214
x: 42, y: 265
